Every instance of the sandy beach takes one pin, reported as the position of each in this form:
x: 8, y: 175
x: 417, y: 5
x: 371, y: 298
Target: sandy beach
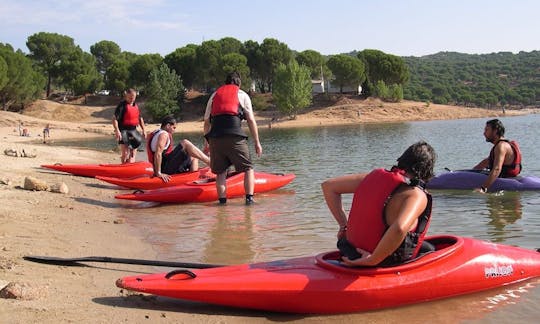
x: 86, y: 221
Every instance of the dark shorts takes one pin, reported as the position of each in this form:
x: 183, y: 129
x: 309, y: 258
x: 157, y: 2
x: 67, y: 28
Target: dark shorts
x: 178, y: 161
x: 131, y: 137
x: 229, y: 150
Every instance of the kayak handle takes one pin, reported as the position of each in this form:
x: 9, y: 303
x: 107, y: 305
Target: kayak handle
x: 180, y: 271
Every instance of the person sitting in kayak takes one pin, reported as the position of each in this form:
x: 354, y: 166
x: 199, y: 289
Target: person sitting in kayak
x: 166, y: 160
x: 390, y: 211
x: 504, y: 159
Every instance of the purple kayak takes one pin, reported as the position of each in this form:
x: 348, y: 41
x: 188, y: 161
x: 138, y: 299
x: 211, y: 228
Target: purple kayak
x: 468, y: 179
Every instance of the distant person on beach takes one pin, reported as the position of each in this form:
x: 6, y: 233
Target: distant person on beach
x: 226, y: 140
x: 21, y: 127
x: 46, y: 133
x: 126, y: 119
x: 390, y: 211
x: 504, y: 159
x: 166, y: 160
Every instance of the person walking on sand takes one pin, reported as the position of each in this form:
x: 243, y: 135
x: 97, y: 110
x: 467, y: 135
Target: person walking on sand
x: 46, y: 133
x: 166, y: 160
x: 226, y: 140
x: 125, y: 121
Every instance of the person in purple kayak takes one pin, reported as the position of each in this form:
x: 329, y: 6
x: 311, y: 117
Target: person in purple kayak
x: 504, y: 159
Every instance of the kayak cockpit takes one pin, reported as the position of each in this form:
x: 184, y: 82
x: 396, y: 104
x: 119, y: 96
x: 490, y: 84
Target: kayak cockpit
x: 444, y: 246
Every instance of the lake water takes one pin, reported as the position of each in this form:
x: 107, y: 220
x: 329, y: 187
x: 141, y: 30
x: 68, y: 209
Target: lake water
x: 294, y: 221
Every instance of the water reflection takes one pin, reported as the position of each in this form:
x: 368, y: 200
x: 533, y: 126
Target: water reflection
x: 232, y: 232
x: 504, y: 210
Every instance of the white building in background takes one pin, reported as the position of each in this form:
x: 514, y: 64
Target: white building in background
x: 321, y: 86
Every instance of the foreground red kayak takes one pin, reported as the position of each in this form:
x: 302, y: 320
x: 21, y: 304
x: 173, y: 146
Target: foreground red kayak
x: 205, y: 190
x: 320, y: 285
x: 126, y: 170
x: 149, y: 182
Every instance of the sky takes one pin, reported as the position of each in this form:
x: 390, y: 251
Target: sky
x: 403, y: 28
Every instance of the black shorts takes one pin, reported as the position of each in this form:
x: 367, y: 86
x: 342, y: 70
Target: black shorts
x: 131, y: 137
x: 178, y: 161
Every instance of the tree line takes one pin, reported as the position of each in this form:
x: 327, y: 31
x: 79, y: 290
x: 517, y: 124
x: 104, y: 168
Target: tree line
x: 484, y: 80
x: 55, y: 62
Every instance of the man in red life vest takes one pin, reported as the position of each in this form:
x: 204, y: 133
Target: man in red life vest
x: 504, y: 159
x: 166, y: 160
x: 225, y: 138
x: 390, y: 212
x: 125, y: 121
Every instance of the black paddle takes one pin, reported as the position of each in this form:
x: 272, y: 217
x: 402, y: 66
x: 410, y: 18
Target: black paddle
x: 73, y: 261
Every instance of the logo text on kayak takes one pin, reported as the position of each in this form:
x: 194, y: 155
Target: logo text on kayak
x: 498, y: 271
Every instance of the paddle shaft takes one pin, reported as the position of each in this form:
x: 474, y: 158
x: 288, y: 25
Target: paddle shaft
x: 71, y: 261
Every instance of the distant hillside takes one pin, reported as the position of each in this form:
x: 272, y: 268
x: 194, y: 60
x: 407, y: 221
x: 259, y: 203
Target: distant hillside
x: 483, y: 80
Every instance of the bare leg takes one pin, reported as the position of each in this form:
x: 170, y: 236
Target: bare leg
x: 249, y: 181
x: 194, y: 151
x: 194, y: 164
x: 123, y: 153
x: 132, y: 152
x: 221, y: 184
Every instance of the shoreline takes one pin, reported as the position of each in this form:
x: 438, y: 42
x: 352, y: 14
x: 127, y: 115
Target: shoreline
x: 87, y: 221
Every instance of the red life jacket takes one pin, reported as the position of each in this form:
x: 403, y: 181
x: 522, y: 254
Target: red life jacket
x: 227, y: 113
x: 508, y: 170
x: 131, y: 115
x: 151, y: 153
x: 366, y: 224
x: 225, y: 101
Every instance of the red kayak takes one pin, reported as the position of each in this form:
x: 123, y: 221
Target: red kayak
x: 321, y: 285
x: 205, y: 190
x: 126, y: 170
x: 150, y: 182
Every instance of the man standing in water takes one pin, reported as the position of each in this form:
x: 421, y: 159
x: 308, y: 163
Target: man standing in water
x: 504, y: 159
x: 225, y: 138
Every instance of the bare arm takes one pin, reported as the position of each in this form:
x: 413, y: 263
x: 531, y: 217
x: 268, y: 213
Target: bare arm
x: 117, y: 133
x: 410, y: 207
x: 332, y: 191
x: 141, y: 123
x: 482, y: 164
x: 158, y: 157
x: 497, y: 167
x: 252, y: 124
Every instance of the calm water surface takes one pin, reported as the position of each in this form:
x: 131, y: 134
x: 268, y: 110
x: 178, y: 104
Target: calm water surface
x: 294, y: 221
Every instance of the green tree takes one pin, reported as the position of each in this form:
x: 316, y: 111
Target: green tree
x: 208, y: 64
x: 230, y: 45
x: 236, y: 62
x: 252, y: 51
x: 106, y: 53
x: 23, y: 84
x: 316, y: 64
x: 3, y: 73
x: 48, y: 50
x: 141, y: 68
x: 292, y: 88
x: 79, y: 74
x: 183, y: 61
x: 347, y: 70
x: 164, y: 92
x: 273, y: 53
x: 381, y: 66
x: 117, y: 76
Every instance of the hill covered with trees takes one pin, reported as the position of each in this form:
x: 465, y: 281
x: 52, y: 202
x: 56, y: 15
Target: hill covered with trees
x: 483, y: 80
